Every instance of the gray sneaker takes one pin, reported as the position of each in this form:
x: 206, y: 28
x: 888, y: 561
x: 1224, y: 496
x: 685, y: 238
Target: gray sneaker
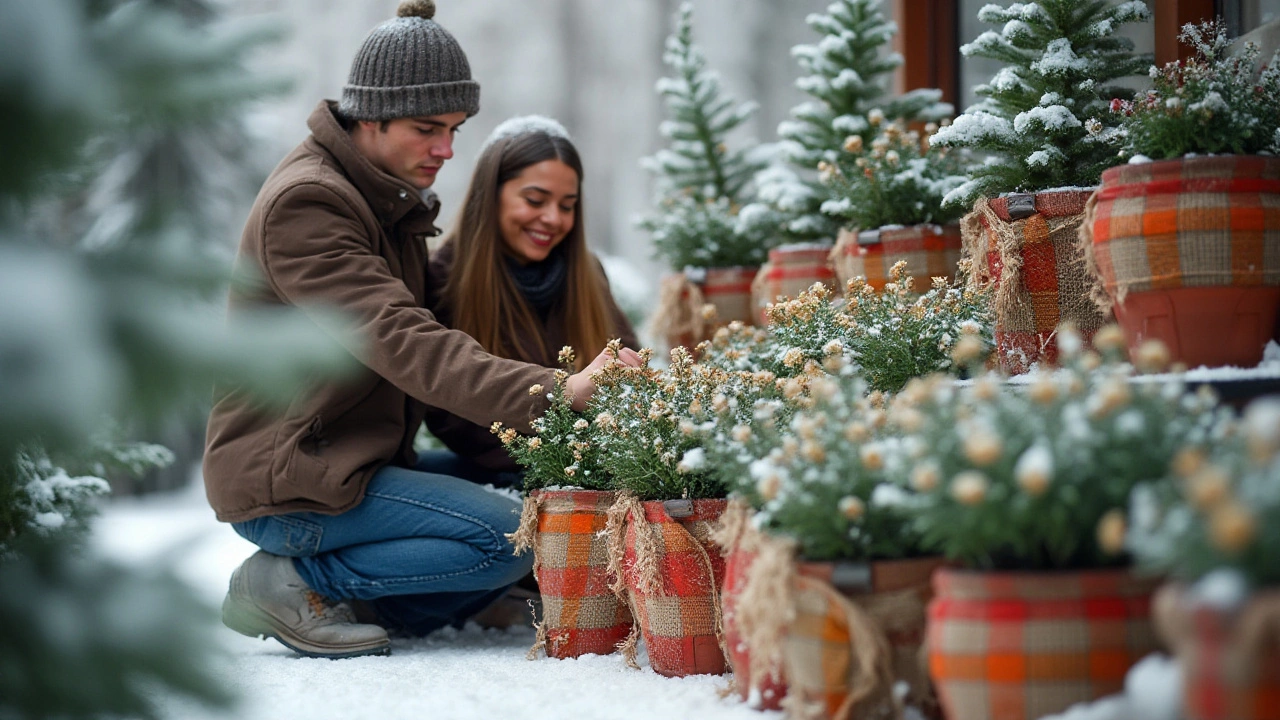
x: 268, y: 598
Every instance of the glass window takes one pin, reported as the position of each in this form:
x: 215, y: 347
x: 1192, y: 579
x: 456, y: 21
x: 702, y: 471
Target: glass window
x: 1245, y: 15
x: 975, y: 71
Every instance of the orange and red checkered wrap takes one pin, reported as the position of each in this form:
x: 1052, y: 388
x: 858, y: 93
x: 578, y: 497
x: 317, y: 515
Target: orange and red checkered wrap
x: 729, y: 290
x: 930, y: 251
x: 680, y: 318
x: 680, y: 619
x: 821, y: 642
x: 791, y: 270
x: 580, y: 613
x: 1019, y: 646
x: 1231, y: 661
x: 771, y: 690
x: 1039, y: 273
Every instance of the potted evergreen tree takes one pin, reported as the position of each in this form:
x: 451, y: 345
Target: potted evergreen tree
x: 846, y: 73
x: 1179, y: 236
x: 702, y: 185
x: 1028, y: 196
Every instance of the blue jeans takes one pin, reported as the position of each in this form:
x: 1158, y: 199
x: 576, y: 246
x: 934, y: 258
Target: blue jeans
x: 427, y: 549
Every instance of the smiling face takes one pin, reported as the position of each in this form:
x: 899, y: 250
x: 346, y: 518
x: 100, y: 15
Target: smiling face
x: 537, y: 209
x: 412, y: 149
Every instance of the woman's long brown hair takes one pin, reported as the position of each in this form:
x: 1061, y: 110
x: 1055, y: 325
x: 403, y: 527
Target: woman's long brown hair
x: 481, y: 295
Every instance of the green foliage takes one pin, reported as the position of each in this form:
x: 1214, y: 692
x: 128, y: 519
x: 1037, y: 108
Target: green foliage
x: 1222, y: 509
x: 105, y: 316
x: 897, y: 181
x: 1060, y: 57
x: 563, y: 451
x: 846, y: 74
x: 85, y: 638
x: 896, y: 335
x: 1037, y: 476
x: 1213, y: 103
x: 701, y: 182
x: 644, y: 425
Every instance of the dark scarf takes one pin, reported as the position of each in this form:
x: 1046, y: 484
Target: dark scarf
x: 541, y: 283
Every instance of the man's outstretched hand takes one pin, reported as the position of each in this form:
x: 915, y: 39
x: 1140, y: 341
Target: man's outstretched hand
x: 580, y: 384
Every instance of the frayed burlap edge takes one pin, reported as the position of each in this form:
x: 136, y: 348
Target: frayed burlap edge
x: 1098, y: 291
x: 526, y: 535
x: 679, y: 312
x: 973, y: 246
x: 647, y: 568
x: 871, y: 661
x: 729, y: 530
x: 1008, y: 242
x: 766, y: 607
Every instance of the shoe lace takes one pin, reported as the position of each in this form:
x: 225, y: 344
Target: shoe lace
x: 329, y: 609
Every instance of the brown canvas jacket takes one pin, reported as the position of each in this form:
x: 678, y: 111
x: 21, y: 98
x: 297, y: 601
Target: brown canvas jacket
x: 474, y: 441
x: 329, y: 229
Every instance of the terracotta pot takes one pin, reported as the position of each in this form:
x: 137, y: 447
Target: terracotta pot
x: 929, y: 250
x: 1230, y: 657
x: 677, y: 614
x: 1185, y: 250
x: 1019, y: 646
x: 791, y: 270
x: 580, y: 613
x: 1025, y: 248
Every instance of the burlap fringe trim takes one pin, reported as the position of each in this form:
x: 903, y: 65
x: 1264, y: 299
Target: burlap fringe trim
x: 679, y: 309
x: 766, y: 607
x: 871, y: 661
x: 1008, y: 243
x: 1255, y: 635
x: 525, y: 538
x: 730, y: 530
x: 647, y: 568
x: 1097, y: 291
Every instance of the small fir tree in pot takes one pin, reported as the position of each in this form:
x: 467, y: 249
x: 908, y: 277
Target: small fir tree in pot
x: 846, y: 74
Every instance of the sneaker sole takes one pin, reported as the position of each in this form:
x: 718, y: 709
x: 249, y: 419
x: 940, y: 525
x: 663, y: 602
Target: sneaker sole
x: 252, y: 623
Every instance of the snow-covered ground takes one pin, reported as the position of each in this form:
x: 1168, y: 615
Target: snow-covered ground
x: 472, y: 674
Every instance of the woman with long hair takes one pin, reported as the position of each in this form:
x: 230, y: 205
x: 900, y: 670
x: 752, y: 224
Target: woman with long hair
x: 514, y: 272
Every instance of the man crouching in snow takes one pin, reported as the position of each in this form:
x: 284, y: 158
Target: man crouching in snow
x: 331, y: 488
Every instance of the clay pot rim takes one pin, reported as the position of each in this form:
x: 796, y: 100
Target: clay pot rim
x: 1118, y: 172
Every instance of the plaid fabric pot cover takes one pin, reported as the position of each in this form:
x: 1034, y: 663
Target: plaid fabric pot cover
x: 681, y: 318
x: 791, y: 270
x: 1019, y: 646
x: 1027, y: 247
x: 1230, y: 658
x: 929, y: 250
x: 580, y: 612
x: 673, y: 574
x: 762, y: 686
x: 1176, y: 228
x: 857, y: 632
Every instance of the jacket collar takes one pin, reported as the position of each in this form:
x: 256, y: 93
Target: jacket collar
x: 391, y: 198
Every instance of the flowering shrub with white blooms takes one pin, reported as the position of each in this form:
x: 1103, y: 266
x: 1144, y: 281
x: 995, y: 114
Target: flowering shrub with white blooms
x: 562, y: 452
x: 1222, y: 508
x: 1037, y: 476
x: 1214, y: 102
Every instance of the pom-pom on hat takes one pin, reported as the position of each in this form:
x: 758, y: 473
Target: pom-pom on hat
x: 409, y: 66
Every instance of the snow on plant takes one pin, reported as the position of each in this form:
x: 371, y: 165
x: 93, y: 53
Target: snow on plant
x: 702, y: 184
x: 1211, y: 103
x: 643, y: 419
x: 562, y: 452
x: 1221, y: 509
x: 896, y: 180
x: 735, y: 347
x: 897, y: 335
x: 846, y: 74
x: 1037, y: 476
x: 45, y: 499
x: 823, y: 477
x: 806, y: 331
x: 1044, y: 117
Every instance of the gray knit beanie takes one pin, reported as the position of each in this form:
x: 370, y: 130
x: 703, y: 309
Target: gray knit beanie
x: 409, y: 67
